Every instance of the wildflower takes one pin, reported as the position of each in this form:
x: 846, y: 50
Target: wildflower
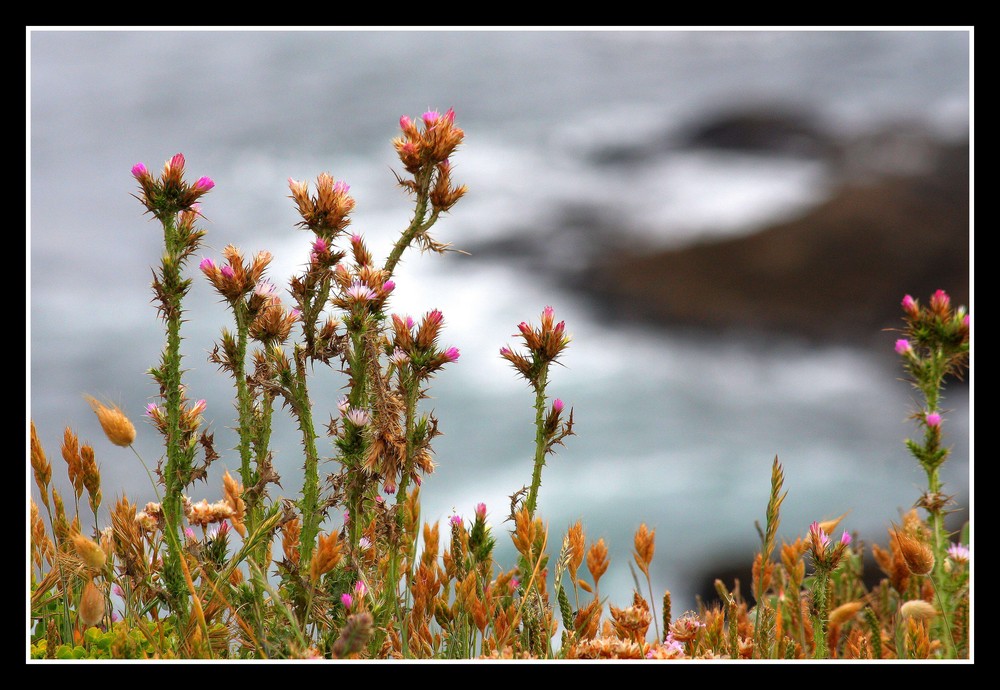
x: 909, y: 305
x: 431, y: 117
x: 456, y: 520
x: 452, y: 354
x: 364, y: 543
x: 343, y: 405
x: 845, y: 538
x: 204, y: 184
x: 933, y: 420
x: 903, y: 347
x: 481, y: 511
x: 958, y: 553
x: 347, y: 600
x: 189, y: 534
x: 388, y: 286
x: 399, y: 358
x: 139, y: 171
x: 819, y: 538
x: 357, y: 417
x: 940, y: 301
x: 360, y: 292
x: 116, y: 425
x: 513, y: 584
x: 557, y: 405
x: 360, y: 588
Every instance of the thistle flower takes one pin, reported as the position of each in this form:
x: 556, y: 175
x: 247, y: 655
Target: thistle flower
x: 203, y: 184
x: 933, y: 420
x: 347, y: 600
x: 115, y: 424
x: 359, y: 292
x: 557, y: 405
x: 456, y: 520
x: 903, y: 347
x: 139, y: 171
x: 958, y: 553
x: 452, y: 354
x: 910, y: 305
x: 481, y: 511
x: 360, y: 588
x: 357, y: 417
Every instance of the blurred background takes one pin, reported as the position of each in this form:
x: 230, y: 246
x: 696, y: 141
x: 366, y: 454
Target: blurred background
x: 726, y: 220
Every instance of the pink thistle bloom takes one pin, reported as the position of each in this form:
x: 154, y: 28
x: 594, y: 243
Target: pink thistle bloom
x: 199, y: 407
x: 355, y: 238
x: 118, y: 591
x: 405, y: 122
x: 357, y: 417
x: 364, y: 543
x: 434, y: 317
x: 940, y: 299
x: 958, y: 553
x: 265, y: 289
x: 513, y: 584
x: 481, y: 511
x: 431, y: 117
x: 204, y: 184
x: 115, y: 617
x: 227, y: 271
x: 933, y: 420
x: 343, y: 405
x: 139, y: 171
x: 505, y: 351
x: 822, y: 537
x: 224, y: 528
x: 965, y: 320
x: 410, y: 323
x: 418, y: 480
x: 295, y: 313
x: 548, y: 314
x: 379, y: 499
x: 450, y: 115
x: 208, y: 266
x: 189, y: 533
x: 399, y: 358
x: 347, y: 600
x: 176, y: 162
x: 388, y: 286
x: 341, y: 187
x: 452, y: 354
x: 903, y: 347
x: 845, y: 538
x: 360, y: 588
x: 390, y: 486
x: 456, y: 520
x: 320, y: 246
x: 524, y: 328
x: 361, y: 292
x: 557, y: 405
x: 347, y: 516
x: 909, y: 304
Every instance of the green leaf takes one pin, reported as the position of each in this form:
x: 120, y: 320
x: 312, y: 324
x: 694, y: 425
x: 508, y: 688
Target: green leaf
x: 79, y: 653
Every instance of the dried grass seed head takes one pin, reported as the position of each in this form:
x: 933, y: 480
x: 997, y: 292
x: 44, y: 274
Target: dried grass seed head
x: 116, y: 425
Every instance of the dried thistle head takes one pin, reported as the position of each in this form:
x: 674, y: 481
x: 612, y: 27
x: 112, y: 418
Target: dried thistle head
x: 918, y: 556
x: 40, y: 466
x: 91, y: 608
x: 644, y: 548
x: 326, y: 557
x: 204, y: 513
x: 597, y: 560
x: 290, y: 532
x: 117, y: 427
x: 577, y: 548
x: 325, y: 213
x: 89, y: 551
x: 233, y: 492
x: 918, y: 609
x: 74, y: 463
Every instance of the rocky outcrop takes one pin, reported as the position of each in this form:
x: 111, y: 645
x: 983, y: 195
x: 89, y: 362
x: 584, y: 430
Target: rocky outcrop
x: 834, y: 273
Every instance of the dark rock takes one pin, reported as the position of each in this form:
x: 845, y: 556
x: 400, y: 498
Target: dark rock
x: 836, y: 272
x: 763, y: 130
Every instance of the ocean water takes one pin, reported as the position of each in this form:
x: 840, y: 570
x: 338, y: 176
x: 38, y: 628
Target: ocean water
x: 676, y: 430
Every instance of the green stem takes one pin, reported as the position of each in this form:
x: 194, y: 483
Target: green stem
x: 820, y: 594
x: 536, y: 475
x: 309, y: 505
x: 177, y: 470
x: 420, y: 223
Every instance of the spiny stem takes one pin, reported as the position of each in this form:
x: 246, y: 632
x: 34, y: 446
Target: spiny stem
x: 536, y: 476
